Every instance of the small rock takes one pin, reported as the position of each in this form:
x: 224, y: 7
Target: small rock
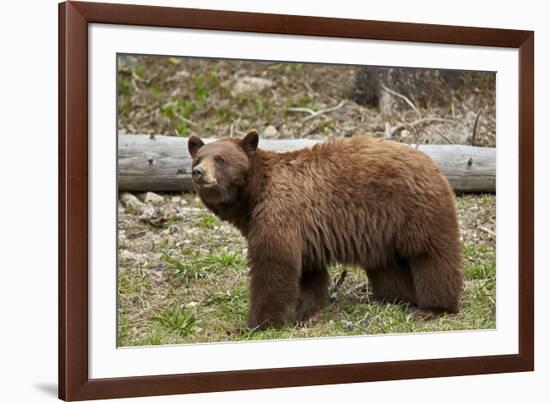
x: 170, y: 210
x: 251, y: 85
x: 127, y: 255
x: 333, y: 297
x: 192, y: 304
x: 134, y: 233
x: 148, y: 213
x: 270, y: 132
x: 128, y: 62
x: 405, y: 133
x: 176, y: 199
x: 153, y: 198
x: 150, y: 236
x: 182, y: 74
x: 153, y: 216
x: 131, y: 202
x: 350, y: 326
x: 173, y: 229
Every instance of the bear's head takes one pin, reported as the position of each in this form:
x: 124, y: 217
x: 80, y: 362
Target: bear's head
x: 220, y: 168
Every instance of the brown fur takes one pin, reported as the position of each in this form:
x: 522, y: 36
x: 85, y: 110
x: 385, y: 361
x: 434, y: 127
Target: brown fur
x: 380, y: 205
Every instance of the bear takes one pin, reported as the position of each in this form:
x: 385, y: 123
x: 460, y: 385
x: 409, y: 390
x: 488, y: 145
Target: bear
x: 373, y: 203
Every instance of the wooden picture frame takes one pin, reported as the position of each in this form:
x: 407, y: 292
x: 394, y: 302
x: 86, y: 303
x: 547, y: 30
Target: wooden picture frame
x: 74, y: 381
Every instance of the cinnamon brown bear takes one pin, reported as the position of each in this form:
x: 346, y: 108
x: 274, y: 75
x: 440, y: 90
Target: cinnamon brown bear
x: 380, y: 205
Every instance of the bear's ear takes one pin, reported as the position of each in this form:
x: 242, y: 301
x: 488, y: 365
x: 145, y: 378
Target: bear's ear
x: 193, y: 144
x: 250, y: 142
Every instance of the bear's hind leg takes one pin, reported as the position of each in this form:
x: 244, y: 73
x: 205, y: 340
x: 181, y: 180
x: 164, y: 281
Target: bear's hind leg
x: 438, y: 281
x: 392, y: 284
x: 313, y: 295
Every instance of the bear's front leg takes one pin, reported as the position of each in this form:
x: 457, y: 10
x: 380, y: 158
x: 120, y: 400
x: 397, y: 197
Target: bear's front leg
x: 274, y: 287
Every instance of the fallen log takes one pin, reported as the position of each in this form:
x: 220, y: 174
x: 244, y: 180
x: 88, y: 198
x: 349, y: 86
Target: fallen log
x: 162, y: 163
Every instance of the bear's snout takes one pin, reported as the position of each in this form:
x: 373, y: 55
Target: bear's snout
x: 203, y: 176
x: 198, y: 173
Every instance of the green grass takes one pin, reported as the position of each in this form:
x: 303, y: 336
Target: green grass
x: 207, y: 221
x: 177, y: 320
x: 303, y: 101
x: 124, y: 84
x: 195, y: 266
x: 123, y: 329
x: 170, y: 109
x: 225, y: 114
x: 296, y: 67
x: 179, y: 112
x: 183, y: 270
x: 224, y: 259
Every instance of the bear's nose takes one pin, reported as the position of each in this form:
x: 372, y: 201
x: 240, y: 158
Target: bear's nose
x: 198, y: 172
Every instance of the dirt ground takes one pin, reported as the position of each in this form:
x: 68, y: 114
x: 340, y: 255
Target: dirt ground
x: 212, y: 98
x: 182, y: 272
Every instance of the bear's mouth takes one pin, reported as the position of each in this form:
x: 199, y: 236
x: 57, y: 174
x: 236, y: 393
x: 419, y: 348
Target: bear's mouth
x: 206, y: 183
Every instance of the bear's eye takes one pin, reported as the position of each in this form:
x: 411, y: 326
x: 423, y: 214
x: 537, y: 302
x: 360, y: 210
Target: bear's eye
x: 219, y: 160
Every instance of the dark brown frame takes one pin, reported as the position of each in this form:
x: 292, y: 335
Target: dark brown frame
x: 74, y: 383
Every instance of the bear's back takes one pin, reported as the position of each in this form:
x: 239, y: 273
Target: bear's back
x: 359, y: 168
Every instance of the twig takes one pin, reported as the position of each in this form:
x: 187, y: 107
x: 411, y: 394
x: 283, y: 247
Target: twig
x: 310, y: 130
x: 352, y: 293
x: 407, y: 100
x: 487, y: 230
x: 308, y: 87
x: 415, y: 134
x: 301, y: 109
x: 313, y: 114
x: 443, y: 136
x: 341, y: 279
x: 137, y: 77
x: 327, y: 110
x: 474, y: 128
x: 421, y: 121
x: 433, y: 120
x: 136, y: 88
x: 358, y: 288
x: 191, y: 123
x: 387, y: 130
x: 143, y: 80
